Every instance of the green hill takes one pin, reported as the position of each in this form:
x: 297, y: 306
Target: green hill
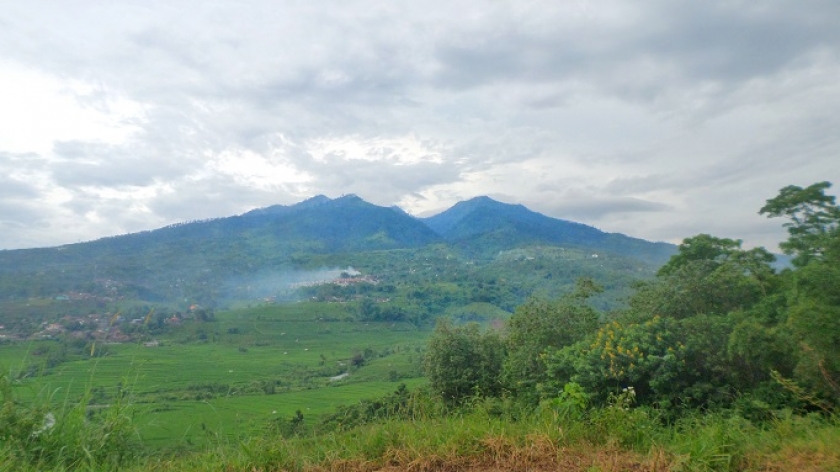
x: 263, y: 252
x: 486, y: 225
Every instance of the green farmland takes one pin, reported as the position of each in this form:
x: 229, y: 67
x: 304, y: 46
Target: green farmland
x: 227, y: 378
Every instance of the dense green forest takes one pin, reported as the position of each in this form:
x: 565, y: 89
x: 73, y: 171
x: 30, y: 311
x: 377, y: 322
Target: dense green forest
x: 718, y: 362
x: 717, y: 328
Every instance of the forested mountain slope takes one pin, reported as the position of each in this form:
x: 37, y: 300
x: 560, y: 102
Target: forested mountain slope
x: 199, y: 262
x: 484, y: 224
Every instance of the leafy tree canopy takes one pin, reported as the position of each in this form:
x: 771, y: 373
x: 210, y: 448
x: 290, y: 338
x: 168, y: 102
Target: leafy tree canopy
x: 814, y: 220
x: 541, y: 325
x: 463, y: 362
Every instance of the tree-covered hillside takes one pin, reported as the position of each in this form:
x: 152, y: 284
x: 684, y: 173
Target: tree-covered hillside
x: 485, y: 225
x: 262, y: 254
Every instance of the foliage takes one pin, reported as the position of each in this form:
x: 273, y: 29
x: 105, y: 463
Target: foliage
x: 814, y: 304
x: 651, y: 355
x: 462, y: 362
x: 757, y: 349
x: 401, y: 404
x: 676, y: 365
x: 70, y: 435
x: 703, y: 247
x: 818, y: 329
x: 814, y: 220
x: 618, y: 437
x: 541, y: 325
x: 288, y: 427
x: 708, y: 276
x: 571, y: 403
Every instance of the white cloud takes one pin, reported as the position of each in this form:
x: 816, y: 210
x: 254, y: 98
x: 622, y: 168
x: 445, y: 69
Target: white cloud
x: 39, y: 109
x: 250, y: 169
x: 655, y: 119
x: 404, y: 150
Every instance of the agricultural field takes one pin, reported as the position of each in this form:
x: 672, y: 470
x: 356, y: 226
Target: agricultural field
x: 227, y: 378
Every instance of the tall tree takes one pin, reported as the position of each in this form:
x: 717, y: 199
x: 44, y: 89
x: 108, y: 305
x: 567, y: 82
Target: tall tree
x: 814, y: 220
x: 708, y: 275
x: 703, y: 247
x: 814, y: 298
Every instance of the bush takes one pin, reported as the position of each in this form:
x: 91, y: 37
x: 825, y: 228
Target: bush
x: 464, y: 362
x: 539, y: 326
x: 673, y: 364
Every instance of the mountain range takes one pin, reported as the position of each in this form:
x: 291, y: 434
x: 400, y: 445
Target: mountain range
x: 191, y: 258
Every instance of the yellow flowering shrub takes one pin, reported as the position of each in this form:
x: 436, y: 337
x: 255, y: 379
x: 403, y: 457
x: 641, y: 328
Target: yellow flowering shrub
x: 664, y: 359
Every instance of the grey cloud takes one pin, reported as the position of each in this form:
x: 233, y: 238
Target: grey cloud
x: 215, y: 196
x: 594, y: 207
x: 754, y: 232
x: 12, y: 160
x: 16, y: 189
x: 671, y: 46
x: 98, y: 164
x: 636, y: 184
x: 22, y: 214
x: 188, y: 200
x: 19, y: 174
x: 380, y: 182
x: 724, y: 41
x: 26, y: 222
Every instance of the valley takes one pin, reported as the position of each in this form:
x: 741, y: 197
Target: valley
x: 339, y: 334
x: 284, y: 309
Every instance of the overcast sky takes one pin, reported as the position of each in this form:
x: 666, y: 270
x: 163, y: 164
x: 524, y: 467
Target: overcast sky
x: 657, y: 119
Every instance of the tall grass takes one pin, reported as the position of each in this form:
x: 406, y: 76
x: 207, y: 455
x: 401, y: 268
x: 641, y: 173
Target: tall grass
x: 49, y: 433
x: 487, y: 434
x: 482, y: 438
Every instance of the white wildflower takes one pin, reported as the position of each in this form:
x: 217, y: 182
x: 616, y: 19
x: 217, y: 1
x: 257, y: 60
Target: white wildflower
x: 49, y: 423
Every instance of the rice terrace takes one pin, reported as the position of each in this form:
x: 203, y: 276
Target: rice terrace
x: 236, y: 373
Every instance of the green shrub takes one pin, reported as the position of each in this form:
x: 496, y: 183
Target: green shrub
x: 462, y: 362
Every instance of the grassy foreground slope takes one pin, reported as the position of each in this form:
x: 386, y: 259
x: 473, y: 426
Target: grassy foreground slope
x: 482, y: 440
x: 487, y: 436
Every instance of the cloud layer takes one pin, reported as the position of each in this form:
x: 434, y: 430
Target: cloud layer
x: 656, y: 119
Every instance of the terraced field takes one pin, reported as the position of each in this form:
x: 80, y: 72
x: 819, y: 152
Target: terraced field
x: 222, y: 380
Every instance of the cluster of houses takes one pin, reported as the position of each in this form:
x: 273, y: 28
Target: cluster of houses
x: 340, y: 281
x: 101, y: 327
x: 362, y: 279
x: 75, y: 296
x: 97, y: 326
x: 3, y: 334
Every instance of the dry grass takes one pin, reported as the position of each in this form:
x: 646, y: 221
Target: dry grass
x: 480, y: 444
x: 798, y: 459
x: 538, y: 454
